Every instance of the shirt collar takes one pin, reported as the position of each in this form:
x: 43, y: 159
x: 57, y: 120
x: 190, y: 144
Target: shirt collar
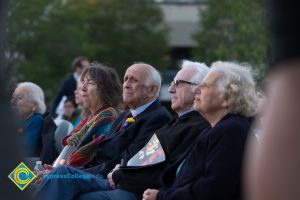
x: 185, y: 112
x: 135, y: 112
x: 75, y: 76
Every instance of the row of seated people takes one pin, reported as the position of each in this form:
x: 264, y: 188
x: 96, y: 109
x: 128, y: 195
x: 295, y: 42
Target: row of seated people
x: 196, y: 155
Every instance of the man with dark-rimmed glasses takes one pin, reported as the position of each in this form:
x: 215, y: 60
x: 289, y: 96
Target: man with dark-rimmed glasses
x: 178, y: 82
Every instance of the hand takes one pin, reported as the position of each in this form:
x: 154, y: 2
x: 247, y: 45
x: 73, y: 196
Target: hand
x: 40, y: 174
x: 110, y: 180
x: 116, y: 167
x: 150, y: 194
x: 48, y: 167
x: 39, y: 177
x: 109, y: 177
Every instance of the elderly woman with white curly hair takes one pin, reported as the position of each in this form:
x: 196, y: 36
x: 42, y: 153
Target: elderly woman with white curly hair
x: 29, y: 105
x: 212, y: 168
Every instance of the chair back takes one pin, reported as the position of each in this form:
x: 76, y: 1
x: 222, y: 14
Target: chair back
x: 63, y: 129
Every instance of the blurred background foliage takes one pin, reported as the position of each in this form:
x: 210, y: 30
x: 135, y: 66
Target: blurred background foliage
x: 233, y: 30
x: 44, y: 36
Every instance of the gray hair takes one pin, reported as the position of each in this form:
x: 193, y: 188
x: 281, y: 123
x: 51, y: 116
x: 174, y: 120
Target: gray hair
x: 153, y: 76
x: 237, y: 84
x: 200, y: 70
x: 36, y: 94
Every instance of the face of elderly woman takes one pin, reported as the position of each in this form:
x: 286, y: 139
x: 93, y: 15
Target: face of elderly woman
x: 21, y: 103
x: 90, y: 94
x: 209, y: 100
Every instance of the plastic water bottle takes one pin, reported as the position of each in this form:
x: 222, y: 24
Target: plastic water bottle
x: 39, y: 166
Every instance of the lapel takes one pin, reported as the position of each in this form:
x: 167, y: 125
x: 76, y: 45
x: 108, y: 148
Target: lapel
x: 176, y: 120
x: 188, y: 115
x: 120, y: 119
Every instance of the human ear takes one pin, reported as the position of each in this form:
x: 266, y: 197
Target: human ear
x: 152, y: 90
x: 225, y: 104
x: 34, y: 107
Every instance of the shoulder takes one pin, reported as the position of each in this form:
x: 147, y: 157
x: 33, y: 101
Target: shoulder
x: 154, y: 111
x: 233, y: 121
x: 157, y: 109
x: 193, y: 117
x: 69, y: 80
x: 109, y: 112
x: 34, y: 122
x: 160, y: 113
x: 232, y: 126
x: 36, y: 117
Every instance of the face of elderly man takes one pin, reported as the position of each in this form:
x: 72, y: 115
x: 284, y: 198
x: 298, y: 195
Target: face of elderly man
x: 22, y: 103
x: 136, y: 92
x: 208, y: 99
x: 182, y: 95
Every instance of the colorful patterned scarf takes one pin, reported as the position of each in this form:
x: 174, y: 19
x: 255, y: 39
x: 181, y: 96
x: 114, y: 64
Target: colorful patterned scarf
x: 88, y: 134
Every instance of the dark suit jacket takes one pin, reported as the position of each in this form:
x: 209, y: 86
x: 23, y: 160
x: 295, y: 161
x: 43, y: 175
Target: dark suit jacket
x: 67, y: 89
x: 126, y: 143
x: 175, y: 138
x: 212, y: 169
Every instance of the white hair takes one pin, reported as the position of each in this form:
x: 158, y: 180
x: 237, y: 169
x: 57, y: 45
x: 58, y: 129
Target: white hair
x: 153, y: 76
x: 200, y: 70
x: 237, y: 84
x: 36, y: 94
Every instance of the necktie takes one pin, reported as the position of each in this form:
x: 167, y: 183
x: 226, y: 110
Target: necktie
x: 125, y: 123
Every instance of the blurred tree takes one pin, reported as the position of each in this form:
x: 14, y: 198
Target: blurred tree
x: 45, y: 36
x: 233, y: 30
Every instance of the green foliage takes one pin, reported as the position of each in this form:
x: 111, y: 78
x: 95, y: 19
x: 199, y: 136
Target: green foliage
x: 45, y: 36
x: 233, y: 30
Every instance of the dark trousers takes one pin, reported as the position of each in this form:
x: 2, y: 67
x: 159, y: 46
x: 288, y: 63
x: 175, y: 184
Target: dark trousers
x: 68, y: 183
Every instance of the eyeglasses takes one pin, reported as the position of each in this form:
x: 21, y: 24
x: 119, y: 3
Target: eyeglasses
x: 178, y: 82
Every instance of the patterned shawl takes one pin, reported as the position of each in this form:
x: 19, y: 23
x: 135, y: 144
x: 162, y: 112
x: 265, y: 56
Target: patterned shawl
x: 88, y: 134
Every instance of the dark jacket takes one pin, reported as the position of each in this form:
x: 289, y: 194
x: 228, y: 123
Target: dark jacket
x: 212, y: 169
x: 175, y: 138
x: 126, y: 143
x: 67, y: 89
x: 48, y: 152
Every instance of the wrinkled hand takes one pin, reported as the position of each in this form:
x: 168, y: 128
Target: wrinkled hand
x: 150, y: 194
x: 40, y: 174
x: 109, y: 177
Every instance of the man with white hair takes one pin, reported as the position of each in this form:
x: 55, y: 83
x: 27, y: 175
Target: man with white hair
x: 29, y: 105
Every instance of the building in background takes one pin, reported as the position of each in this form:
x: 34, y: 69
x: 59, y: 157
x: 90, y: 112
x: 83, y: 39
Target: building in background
x: 182, y: 17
